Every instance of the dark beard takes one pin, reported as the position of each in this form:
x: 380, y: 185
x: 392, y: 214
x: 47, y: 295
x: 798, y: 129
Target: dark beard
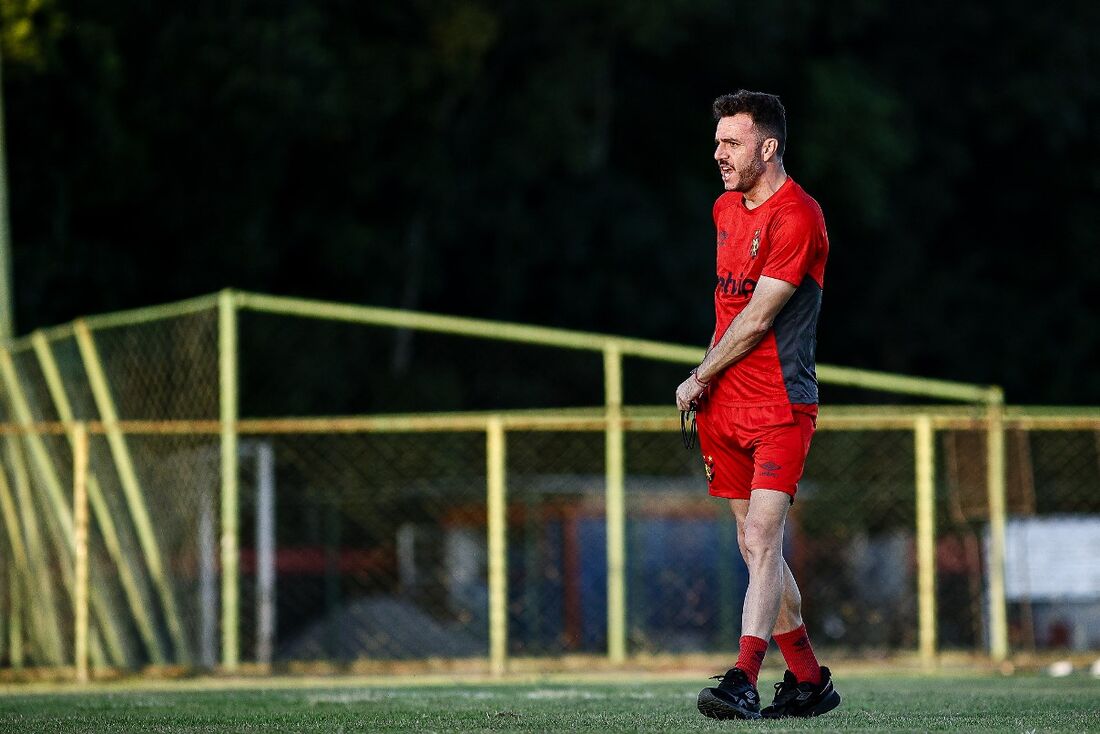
x: 747, y: 179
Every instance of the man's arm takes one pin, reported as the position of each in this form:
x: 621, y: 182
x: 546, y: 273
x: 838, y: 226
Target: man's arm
x: 750, y: 326
x: 744, y: 333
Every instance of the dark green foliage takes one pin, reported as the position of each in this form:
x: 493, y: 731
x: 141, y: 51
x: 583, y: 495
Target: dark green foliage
x: 550, y: 163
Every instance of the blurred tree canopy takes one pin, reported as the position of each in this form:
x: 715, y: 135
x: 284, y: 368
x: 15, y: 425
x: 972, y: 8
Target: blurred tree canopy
x: 551, y: 163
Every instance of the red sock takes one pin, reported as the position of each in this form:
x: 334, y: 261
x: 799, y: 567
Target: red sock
x: 800, y: 658
x: 751, y: 656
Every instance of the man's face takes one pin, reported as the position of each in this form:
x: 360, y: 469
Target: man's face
x: 737, y: 151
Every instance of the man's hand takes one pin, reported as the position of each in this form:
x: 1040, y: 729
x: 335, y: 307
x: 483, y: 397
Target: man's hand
x: 690, y: 391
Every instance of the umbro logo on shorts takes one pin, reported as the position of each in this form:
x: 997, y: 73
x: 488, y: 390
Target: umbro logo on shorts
x: 770, y: 468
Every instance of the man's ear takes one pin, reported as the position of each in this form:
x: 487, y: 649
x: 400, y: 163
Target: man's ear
x: 769, y: 148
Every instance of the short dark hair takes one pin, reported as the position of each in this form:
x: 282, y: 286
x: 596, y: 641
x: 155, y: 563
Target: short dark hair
x: 766, y: 111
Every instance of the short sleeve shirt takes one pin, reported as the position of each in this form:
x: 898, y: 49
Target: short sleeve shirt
x: 783, y: 238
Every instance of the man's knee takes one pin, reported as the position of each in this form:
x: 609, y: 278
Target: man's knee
x: 741, y: 541
x: 761, y: 542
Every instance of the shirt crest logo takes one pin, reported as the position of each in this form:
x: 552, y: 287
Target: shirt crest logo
x: 723, y: 235
x: 755, y: 244
x: 708, y: 467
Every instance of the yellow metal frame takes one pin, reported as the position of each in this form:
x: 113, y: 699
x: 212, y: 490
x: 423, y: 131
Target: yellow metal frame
x: 80, y: 552
x: 43, y: 624
x: 617, y: 419
x: 15, y: 621
x: 230, y: 542
x: 589, y: 341
x: 131, y: 489
x: 995, y: 473
x: 127, y: 576
x: 925, y: 460
x: 19, y: 573
x: 497, y: 544
x: 615, y: 504
x: 984, y: 410
x: 106, y: 634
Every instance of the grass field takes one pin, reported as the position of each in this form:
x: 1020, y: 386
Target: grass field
x: 879, y: 703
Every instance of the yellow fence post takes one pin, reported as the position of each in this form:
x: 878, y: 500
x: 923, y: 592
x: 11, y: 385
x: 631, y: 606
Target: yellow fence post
x: 616, y: 505
x: 44, y: 611
x: 925, y: 454
x: 35, y: 447
x: 55, y: 510
x: 5, y: 600
x: 7, y: 568
x: 135, y: 499
x: 127, y: 576
x: 80, y: 551
x: 496, y: 521
x: 15, y: 622
x: 19, y: 572
x: 998, y: 609
x: 612, y: 419
x: 227, y: 371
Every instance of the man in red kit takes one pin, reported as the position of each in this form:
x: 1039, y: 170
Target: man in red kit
x: 755, y: 394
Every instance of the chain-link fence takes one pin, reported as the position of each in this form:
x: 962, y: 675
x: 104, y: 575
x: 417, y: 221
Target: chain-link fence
x: 365, y: 540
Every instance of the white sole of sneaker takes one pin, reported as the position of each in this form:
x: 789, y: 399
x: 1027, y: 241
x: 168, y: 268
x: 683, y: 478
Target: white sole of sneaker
x: 715, y: 708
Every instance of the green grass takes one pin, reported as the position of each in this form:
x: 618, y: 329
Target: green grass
x: 884, y: 703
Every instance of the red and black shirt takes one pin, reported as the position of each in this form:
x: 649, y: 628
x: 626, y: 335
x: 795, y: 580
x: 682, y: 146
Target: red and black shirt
x: 783, y: 238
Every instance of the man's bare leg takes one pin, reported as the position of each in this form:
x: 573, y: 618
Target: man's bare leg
x: 788, y: 629
x: 761, y: 538
x: 790, y: 600
x: 773, y: 608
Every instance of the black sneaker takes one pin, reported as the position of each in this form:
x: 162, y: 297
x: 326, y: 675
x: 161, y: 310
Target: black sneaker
x: 802, y: 699
x: 734, y: 698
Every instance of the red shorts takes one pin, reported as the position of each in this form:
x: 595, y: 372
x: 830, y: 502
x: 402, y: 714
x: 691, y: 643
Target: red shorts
x: 755, y: 448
